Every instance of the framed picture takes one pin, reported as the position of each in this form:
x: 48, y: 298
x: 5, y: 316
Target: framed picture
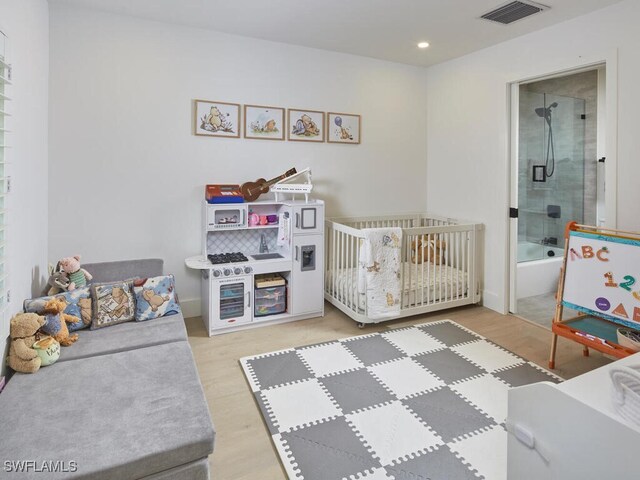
x: 217, y: 119
x: 266, y: 123
x: 343, y: 128
x: 305, y: 125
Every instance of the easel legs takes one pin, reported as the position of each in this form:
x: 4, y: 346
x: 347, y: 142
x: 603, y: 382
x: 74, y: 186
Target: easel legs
x: 552, y: 356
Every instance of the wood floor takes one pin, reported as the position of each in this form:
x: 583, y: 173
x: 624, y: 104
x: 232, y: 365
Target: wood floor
x: 243, y: 449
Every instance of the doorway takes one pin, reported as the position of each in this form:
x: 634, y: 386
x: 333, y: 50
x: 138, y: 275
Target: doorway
x: 557, y: 177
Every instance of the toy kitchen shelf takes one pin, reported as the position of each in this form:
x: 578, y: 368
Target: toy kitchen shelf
x: 289, y: 242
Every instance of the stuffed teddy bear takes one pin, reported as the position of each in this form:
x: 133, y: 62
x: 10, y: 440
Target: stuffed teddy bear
x: 23, y: 328
x: 56, y: 321
x: 433, y: 251
x: 78, y: 277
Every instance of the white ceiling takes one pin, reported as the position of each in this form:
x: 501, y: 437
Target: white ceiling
x: 384, y: 29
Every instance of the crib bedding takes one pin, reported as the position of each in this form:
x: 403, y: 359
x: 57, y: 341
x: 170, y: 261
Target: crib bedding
x: 422, y: 284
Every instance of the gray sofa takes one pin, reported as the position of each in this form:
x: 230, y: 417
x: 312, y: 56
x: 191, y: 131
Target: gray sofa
x: 123, y: 402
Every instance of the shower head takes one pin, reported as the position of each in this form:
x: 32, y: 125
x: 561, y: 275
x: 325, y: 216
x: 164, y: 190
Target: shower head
x: 546, y: 112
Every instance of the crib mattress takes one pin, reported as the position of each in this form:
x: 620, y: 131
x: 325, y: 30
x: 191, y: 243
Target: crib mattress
x: 423, y: 284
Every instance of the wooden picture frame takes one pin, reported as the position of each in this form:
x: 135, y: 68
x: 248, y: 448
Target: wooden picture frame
x: 264, y: 123
x: 305, y: 125
x: 343, y: 128
x: 216, y: 119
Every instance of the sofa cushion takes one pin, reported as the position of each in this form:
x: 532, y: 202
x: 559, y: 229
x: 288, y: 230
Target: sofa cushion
x: 113, y: 303
x: 126, y: 336
x: 117, y: 271
x: 145, y: 412
x: 155, y: 297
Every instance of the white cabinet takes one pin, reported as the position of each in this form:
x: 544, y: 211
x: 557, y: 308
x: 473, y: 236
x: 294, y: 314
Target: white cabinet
x: 308, y: 218
x: 307, y: 274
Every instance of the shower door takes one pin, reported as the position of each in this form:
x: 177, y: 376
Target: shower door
x: 551, y: 132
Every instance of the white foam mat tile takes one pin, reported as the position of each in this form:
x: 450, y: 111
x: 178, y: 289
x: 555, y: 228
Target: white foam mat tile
x: 486, y: 393
x: 329, y: 358
x: 485, y: 451
x: 287, y: 411
x: 413, y: 341
x: 393, y: 432
x: 487, y: 355
x: 405, y: 377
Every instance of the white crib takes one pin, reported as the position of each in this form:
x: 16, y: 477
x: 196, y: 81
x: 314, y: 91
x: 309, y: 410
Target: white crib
x: 450, y: 281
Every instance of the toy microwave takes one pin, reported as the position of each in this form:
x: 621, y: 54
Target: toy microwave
x: 217, y: 193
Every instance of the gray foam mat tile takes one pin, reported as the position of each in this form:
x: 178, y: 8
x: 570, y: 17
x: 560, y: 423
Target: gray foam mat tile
x: 374, y: 349
x: 448, y: 366
x: 356, y: 390
x: 329, y: 450
x: 449, y: 333
x: 448, y: 414
x: 278, y: 369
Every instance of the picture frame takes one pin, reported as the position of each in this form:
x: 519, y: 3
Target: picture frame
x: 343, y: 128
x: 305, y: 125
x: 264, y: 123
x: 216, y: 119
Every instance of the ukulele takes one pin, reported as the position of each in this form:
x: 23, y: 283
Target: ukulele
x: 252, y: 190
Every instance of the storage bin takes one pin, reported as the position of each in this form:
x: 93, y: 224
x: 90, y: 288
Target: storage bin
x: 270, y: 301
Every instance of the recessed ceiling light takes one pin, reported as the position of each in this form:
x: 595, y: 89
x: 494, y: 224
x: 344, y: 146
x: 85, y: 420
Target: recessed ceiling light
x: 423, y: 44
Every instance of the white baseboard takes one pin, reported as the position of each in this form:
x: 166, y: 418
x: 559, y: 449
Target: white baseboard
x: 493, y: 302
x: 191, y: 307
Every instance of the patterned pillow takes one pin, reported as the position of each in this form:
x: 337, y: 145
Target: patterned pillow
x: 78, y: 305
x: 113, y: 304
x: 155, y: 297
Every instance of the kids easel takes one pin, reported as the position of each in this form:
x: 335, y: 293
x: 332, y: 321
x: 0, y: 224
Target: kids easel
x: 600, y: 278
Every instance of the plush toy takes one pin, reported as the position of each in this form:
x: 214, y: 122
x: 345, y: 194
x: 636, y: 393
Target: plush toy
x: 78, y: 277
x: 58, y: 282
x: 22, y: 357
x: 432, y: 251
x: 56, y: 321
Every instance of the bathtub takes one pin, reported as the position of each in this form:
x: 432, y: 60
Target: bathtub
x: 538, y: 269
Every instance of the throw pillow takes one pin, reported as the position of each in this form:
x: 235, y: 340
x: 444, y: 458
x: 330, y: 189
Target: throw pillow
x: 78, y: 305
x: 113, y: 304
x: 155, y: 297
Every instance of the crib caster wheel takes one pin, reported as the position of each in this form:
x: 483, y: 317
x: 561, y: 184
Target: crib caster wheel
x: 360, y: 325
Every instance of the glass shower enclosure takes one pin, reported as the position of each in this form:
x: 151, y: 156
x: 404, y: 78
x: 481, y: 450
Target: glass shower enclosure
x: 551, y: 160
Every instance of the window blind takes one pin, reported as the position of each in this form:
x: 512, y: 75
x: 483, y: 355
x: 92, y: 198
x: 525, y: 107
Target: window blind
x: 5, y: 82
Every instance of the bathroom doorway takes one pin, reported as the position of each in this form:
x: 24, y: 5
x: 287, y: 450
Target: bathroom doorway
x: 558, y: 177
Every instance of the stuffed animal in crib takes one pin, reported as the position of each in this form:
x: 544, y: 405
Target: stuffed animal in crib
x: 56, y: 321
x: 433, y: 250
x: 78, y: 277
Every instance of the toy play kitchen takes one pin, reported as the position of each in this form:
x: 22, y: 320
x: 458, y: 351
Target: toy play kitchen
x: 262, y: 261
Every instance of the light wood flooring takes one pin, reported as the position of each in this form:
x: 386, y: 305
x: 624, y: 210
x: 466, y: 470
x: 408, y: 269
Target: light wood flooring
x: 243, y: 449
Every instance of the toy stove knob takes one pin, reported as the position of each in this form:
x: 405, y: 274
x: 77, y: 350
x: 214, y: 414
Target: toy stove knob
x: 248, y: 269
x: 237, y: 270
x: 226, y: 272
x: 217, y: 273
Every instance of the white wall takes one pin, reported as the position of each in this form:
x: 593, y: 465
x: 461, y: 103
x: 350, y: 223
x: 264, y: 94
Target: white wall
x: 26, y: 23
x: 467, y: 153
x: 127, y: 175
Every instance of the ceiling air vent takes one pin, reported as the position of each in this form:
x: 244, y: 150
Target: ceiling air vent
x: 513, y: 11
